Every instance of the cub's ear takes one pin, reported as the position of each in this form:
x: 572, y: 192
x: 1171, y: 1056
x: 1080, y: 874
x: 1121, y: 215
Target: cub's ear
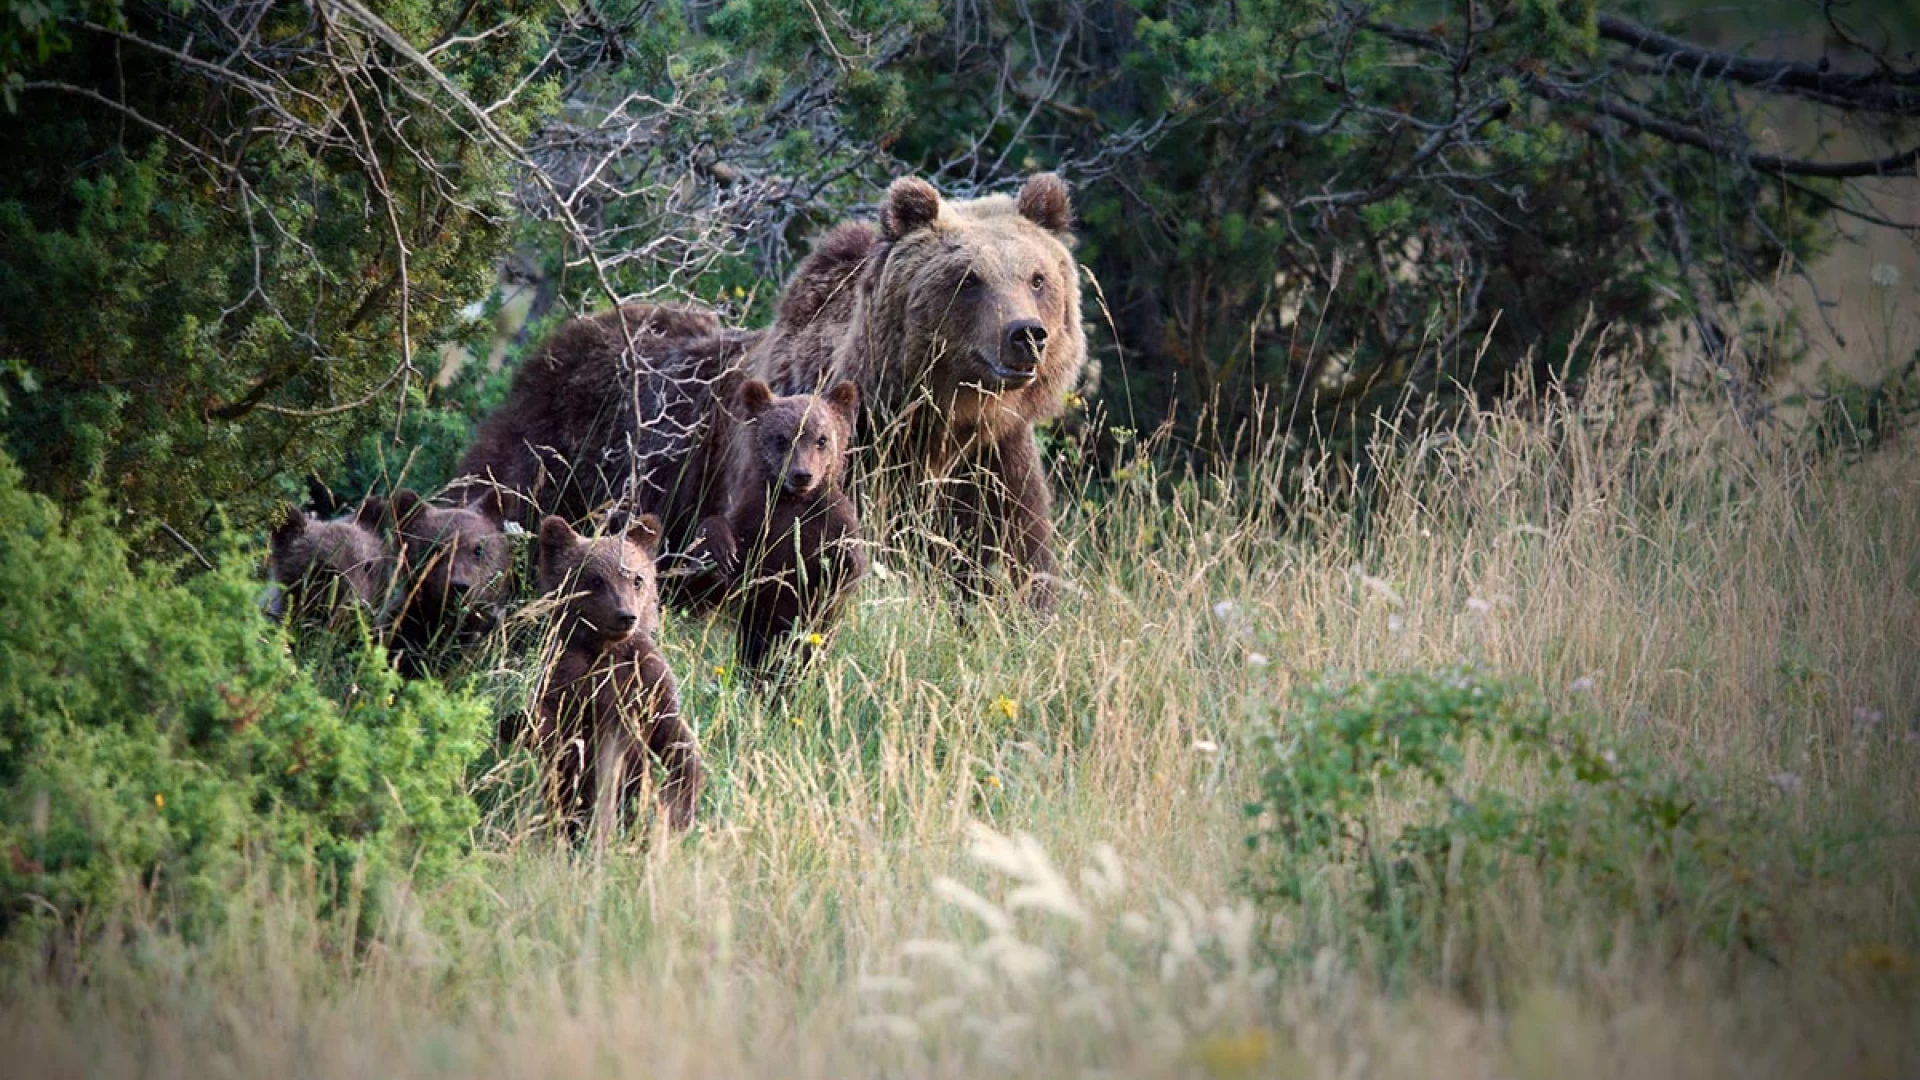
x: 490, y: 506
x: 556, y: 535
x: 755, y: 396
x: 645, y: 534
x: 406, y: 504
x: 845, y: 398
x: 291, y: 526
x: 1043, y: 201
x: 371, y: 512
x: 911, y: 204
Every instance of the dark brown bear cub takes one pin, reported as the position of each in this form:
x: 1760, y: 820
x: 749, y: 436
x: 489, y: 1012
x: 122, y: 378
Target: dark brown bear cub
x: 327, y: 571
x: 608, y: 700
x: 453, y: 569
x: 783, y: 534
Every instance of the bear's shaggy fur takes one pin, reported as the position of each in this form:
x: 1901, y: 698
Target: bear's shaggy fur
x: 960, y: 322
x: 326, y: 570
x: 606, y: 412
x: 453, y: 567
x: 608, y: 699
x: 781, y: 531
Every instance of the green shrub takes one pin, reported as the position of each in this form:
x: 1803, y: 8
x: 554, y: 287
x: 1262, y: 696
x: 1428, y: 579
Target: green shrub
x: 158, y: 742
x: 1630, y: 840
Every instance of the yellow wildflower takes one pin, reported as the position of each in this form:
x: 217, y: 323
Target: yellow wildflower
x: 816, y: 640
x: 796, y: 721
x: 1006, y: 707
x: 719, y: 671
x: 993, y: 781
x: 1236, y: 1055
x: 159, y: 800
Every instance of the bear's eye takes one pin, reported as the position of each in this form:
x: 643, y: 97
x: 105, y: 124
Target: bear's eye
x: 1038, y: 281
x: 639, y: 581
x: 821, y: 442
x: 970, y: 282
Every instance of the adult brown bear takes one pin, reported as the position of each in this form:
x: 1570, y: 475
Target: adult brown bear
x: 959, y: 320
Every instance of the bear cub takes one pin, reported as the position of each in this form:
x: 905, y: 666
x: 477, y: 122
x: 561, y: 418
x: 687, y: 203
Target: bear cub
x: 608, y: 701
x: 780, y: 529
x: 453, y: 569
x: 324, y: 571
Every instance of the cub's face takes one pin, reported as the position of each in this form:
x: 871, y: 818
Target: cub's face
x: 799, y: 443
x: 608, y: 583
x: 453, y: 556
x: 993, y: 293
x: 331, y: 567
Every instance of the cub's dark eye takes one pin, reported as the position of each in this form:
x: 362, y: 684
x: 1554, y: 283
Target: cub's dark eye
x: 1038, y: 281
x: 821, y: 442
x: 783, y: 444
x: 639, y: 581
x: 478, y: 551
x: 970, y: 282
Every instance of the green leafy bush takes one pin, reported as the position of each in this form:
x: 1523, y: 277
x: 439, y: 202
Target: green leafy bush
x: 1494, y: 786
x: 158, y: 743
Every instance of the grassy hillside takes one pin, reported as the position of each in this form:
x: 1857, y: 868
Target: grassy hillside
x: 973, y: 844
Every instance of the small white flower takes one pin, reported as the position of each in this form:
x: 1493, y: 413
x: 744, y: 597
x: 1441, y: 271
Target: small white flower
x: 1787, y: 782
x: 1610, y: 757
x: 1224, y: 609
x: 1478, y: 606
x: 1395, y: 623
x: 1886, y: 275
x: 1257, y: 659
x: 1581, y: 685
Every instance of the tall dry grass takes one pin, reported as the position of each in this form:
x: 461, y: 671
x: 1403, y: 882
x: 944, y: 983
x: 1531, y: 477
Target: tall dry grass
x: 970, y: 843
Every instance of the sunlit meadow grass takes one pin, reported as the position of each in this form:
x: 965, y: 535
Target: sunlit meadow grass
x: 971, y: 843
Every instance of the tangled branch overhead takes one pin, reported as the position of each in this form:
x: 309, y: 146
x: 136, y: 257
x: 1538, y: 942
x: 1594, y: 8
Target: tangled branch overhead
x: 1318, y: 211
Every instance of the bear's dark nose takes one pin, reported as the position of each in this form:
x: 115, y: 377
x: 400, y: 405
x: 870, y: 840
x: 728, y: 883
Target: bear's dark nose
x: 624, y: 620
x: 800, y: 481
x: 1026, y: 339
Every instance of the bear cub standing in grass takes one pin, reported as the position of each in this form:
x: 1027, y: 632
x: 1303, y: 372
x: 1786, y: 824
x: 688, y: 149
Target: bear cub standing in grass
x: 780, y: 529
x: 329, y: 570
x: 454, y: 564
x: 608, y: 700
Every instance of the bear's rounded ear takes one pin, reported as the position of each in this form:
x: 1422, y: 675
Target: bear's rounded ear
x: 1043, y: 201
x: 644, y: 534
x: 911, y: 204
x: 292, y: 524
x: 846, y: 398
x: 556, y: 534
x: 406, y: 503
x: 490, y: 505
x: 755, y: 396
x: 370, y: 513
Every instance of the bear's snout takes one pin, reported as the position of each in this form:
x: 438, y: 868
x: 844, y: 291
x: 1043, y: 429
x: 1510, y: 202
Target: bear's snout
x: 800, y: 480
x: 1020, y: 352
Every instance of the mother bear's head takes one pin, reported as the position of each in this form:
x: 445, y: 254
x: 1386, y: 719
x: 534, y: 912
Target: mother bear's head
x: 972, y: 306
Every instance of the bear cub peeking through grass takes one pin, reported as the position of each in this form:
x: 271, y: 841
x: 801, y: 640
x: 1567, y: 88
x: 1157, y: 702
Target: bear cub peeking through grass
x: 454, y: 567
x: 608, y: 701
x: 780, y: 529
x: 328, y: 571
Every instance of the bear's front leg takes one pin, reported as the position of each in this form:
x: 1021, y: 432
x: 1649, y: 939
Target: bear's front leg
x: 1015, y: 514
